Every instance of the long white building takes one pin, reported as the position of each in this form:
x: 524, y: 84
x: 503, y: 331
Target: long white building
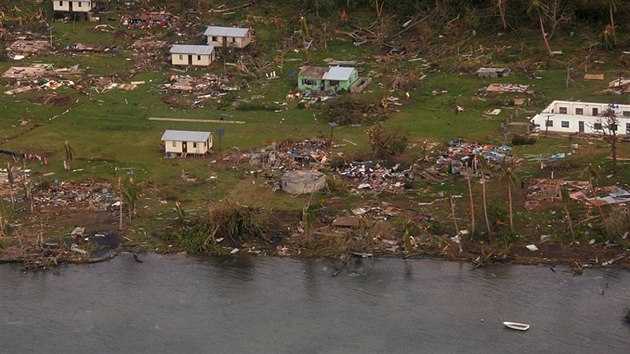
x: 580, y: 117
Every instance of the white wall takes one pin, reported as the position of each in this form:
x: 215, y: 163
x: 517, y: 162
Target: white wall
x: 77, y: 6
x: 572, y: 113
x: 176, y: 147
x: 197, y: 60
x: 231, y: 42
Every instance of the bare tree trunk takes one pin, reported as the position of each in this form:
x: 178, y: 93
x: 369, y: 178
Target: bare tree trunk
x: 612, y: 21
x: 613, y: 152
x: 510, y: 206
x: 599, y: 208
x: 501, y: 6
x: 453, y: 214
x: 485, y: 206
x: 544, y: 35
x: 568, y: 216
x: 472, y: 209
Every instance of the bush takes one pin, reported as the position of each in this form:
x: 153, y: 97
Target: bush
x: 349, y: 109
x: 523, y: 140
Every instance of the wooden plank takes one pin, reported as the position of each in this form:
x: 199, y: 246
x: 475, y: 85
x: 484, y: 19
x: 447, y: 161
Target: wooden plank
x: 197, y: 120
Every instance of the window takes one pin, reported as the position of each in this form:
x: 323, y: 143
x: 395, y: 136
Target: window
x: 80, y: 3
x: 597, y: 126
x: 60, y: 3
x: 563, y: 110
x: 194, y: 145
x: 308, y: 82
x: 215, y: 38
x: 627, y: 128
x: 181, y: 57
x: 613, y: 127
x: 233, y: 39
x: 564, y: 124
x: 579, y: 111
x: 174, y: 143
x: 199, y: 57
x: 595, y: 111
x: 626, y: 113
x: 549, y: 123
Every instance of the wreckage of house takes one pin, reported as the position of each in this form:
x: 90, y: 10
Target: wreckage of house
x: 620, y: 86
x: 74, y: 6
x: 192, y: 55
x: 185, y: 142
x: 581, y: 117
x: 230, y: 37
x: 493, y: 72
x: 336, y: 78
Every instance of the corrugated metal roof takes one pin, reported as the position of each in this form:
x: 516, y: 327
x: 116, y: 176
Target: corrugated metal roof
x: 226, y: 31
x: 191, y: 49
x: 313, y: 72
x: 338, y: 73
x: 185, y: 135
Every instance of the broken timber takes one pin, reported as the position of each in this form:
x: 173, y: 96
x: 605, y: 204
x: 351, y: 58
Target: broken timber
x: 197, y: 120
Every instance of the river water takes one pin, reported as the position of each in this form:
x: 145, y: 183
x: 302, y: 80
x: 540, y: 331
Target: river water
x: 172, y: 303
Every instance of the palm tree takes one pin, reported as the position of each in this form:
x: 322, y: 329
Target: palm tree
x: 541, y: 8
x: 472, y: 207
x: 131, y: 192
x: 612, y: 7
x: 483, y: 167
x: 594, y: 175
x: 11, y: 181
x: 511, y: 181
x: 69, y: 153
x: 565, y: 207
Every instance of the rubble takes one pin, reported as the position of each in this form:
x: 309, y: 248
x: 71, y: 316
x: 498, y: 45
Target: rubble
x: 26, y: 47
x: 150, y: 19
x: 543, y: 193
x: 507, y: 88
x: 82, y: 48
x: 619, y: 86
x: 493, y: 72
x: 369, y: 176
x: 303, y: 182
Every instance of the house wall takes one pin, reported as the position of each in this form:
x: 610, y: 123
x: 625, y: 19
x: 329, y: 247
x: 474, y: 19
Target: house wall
x: 199, y: 147
x: 192, y: 59
x: 231, y: 42
x: 573, y: 123
x: 180, y: 59
x: 314, y: 85
x: 77, y: 6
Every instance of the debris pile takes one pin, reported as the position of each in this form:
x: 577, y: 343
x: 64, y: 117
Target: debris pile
x: 619, y: 86
x: 507, y: 88
x: 369, y: 176
x: 83, y: 48
x: 151, y: 19
x: 493, y: 72
x: 23, y: 48
x: 39, y: 77
x: 462, y: 155
x: 148, y: 52
x: 207, y: 87
x: 89, y: 195
x: 290, y: 154
x: 543, y: 193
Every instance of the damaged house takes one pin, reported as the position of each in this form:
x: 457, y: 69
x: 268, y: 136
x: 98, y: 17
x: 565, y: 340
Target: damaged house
x: 580, y: 117
x: 336, y: 78
x: 192, y: 55
x: 184, y: 142
x: 229, y: 37
x: 74, y: 6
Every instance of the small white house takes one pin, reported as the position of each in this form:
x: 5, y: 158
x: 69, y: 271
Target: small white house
x: 230, y: 37
x: 580, y: 117
x: 80, y: 6
x: 195, y: 55
x: 184, y: 142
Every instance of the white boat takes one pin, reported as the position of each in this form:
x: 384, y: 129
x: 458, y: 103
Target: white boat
x: 517, y: 326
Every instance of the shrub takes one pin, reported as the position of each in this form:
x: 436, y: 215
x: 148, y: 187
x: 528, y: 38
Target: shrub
x: 523, y: 140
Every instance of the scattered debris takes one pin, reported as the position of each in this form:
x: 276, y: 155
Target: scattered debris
x: 303, y: 182
x: 507, y: 88
x: 493, y: 72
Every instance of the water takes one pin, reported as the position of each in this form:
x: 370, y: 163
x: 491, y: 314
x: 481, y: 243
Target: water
x: 275, y: 305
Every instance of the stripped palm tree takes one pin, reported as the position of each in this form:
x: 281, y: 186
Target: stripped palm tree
x: 510, y: 176
x: 11, y: 179
x: 564, y: 192
x: 594, y: 176
x: 541, y: 8
x: 472, y: 206
x: 483, y: 168
x: 131, y: 193
x: 69, y: 155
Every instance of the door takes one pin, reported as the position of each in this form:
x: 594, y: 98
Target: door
x: 581, y: 126
x: 184, y: 146
x: 190, y: 59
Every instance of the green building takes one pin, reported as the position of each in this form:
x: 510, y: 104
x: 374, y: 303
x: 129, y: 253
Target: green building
x: 336, y: 78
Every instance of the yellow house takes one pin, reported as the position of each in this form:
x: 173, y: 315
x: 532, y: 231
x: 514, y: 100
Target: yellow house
x: 184, y: 142
x: 195, y: 55
x: 74, y: 5
x: 230, y: 37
